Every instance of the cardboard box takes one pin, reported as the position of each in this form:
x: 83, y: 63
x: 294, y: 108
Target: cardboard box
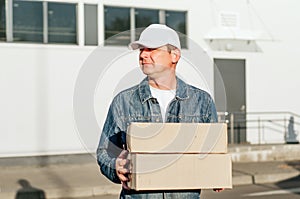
x: 180, y: 171
x: 177, y: 138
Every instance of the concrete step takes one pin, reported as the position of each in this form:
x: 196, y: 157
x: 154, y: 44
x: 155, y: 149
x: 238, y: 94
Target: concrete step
x: 262, y: 153
x: 239, y: 153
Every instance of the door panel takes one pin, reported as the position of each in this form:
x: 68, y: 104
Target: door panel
x: 232, y: 72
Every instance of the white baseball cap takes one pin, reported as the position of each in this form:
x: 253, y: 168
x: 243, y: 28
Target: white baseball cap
x: 155, y: 36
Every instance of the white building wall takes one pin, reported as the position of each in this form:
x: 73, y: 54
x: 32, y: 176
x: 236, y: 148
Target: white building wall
x: 37, y: 81
x: 37, y: 85
x: 272, y: 75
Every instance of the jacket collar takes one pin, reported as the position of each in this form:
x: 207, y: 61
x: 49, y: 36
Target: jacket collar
x: 145, y: 93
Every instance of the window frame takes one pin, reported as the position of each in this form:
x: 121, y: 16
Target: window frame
x: 19, y: 30
x: 4, y: 25
x: 80, y: 24
x: 9, y: 22
x: 85, y: 26
x: 76, y: 23
x: 161, y: 18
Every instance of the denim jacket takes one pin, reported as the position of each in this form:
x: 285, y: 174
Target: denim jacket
x: 136, y: 104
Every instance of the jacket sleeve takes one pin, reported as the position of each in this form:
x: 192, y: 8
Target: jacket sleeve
x: 212, y: 116
x: 110, y: 145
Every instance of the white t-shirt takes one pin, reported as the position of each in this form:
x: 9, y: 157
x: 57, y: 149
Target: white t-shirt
x: 163, y: 97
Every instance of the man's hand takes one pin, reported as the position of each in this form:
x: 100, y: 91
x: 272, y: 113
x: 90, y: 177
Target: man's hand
x: 219, y: 189
x: 122, y: 168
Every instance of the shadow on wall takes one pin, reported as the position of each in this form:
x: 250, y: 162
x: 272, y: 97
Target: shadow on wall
x: 27, y: 191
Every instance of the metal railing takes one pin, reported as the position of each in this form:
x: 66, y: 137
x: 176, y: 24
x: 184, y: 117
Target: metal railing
x: 261, y: 127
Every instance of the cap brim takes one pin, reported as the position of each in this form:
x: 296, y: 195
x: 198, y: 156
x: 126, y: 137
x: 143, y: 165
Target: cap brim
x: 138, y: 45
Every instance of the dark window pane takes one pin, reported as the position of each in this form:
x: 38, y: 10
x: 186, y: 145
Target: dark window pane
x: 2, y: 21
x: 62, y: 23
x: 177, y: 21
x: 143, y: 18
x: 90, y: 24
x: 117, y: 20
x: 27, y: 21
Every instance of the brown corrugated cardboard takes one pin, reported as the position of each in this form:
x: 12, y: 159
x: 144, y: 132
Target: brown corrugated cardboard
x: 180, y: 171
x: 177, y: 138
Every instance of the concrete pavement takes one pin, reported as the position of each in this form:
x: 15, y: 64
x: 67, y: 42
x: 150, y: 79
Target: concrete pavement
x: 78, y: 176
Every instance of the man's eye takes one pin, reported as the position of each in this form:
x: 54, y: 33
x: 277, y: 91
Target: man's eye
x: 147, y: 49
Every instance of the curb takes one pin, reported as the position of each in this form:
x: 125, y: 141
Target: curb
x: 262, y: 178
x: 78, y: 192
x: 242, y: 180
x: 265, y: 178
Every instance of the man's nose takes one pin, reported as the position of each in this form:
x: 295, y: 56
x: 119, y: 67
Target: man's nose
x: 144, y: 53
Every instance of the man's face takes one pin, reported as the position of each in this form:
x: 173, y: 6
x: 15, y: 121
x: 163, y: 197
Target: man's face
x: 156, y: 62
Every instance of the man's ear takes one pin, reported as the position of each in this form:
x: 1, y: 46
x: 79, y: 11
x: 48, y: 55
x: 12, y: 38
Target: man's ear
x: 175, y: 55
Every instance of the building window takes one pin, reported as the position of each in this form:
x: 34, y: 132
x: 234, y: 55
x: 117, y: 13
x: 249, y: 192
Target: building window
x: 177, y: 21
x: 116, y: 20
x: 134, y: 20
x: 143, y: 18
x: 62, y: 26
x: 28, y: 21
x: 2, y: 21
x: 90, y: 24
x: 38, y: 21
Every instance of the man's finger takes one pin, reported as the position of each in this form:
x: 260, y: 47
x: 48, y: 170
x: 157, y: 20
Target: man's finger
x: 123, y: 171
x: 219, y: 189
x: 123, y: 174
x: 122, y: 178
x: 123, y: 162
x: 125, y: 186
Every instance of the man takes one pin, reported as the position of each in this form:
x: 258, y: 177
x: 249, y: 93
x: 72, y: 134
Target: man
x: 160, y: 97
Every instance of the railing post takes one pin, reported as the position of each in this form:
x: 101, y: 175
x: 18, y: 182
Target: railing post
x: 219, y: 118
x: 238, y: 133
x: 259, y: 133
x: 285, y: 129
x: 232, y: 128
